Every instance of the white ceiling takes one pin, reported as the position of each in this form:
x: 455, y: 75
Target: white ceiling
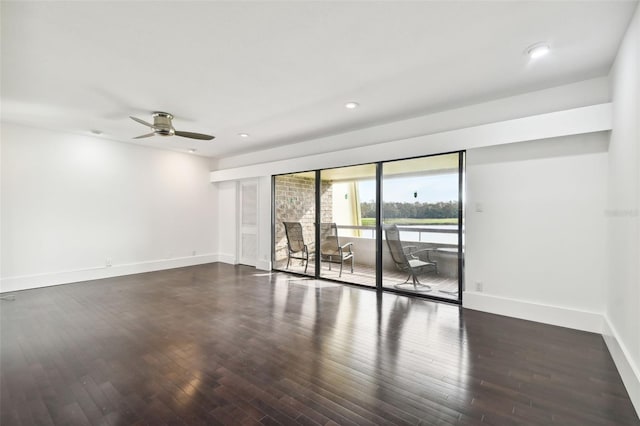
x: 282, y: 71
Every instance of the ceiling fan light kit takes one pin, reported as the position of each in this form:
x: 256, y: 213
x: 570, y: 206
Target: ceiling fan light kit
x: 163, y: 126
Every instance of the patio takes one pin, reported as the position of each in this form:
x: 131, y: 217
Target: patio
x: 441, y: 285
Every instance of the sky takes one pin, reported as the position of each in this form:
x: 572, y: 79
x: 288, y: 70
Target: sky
x: 430, y: 189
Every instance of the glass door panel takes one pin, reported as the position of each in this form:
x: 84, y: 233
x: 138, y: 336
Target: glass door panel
x: 421, y: 226
x: 347, y: 224
x: 294, y: 223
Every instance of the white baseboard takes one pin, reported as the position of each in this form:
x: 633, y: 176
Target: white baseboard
x: 263, y: 265
x: 227, y: 258
x: 554, y: 315
x: 628, y: 369
x: 566, y: 317
x: 25, y: 282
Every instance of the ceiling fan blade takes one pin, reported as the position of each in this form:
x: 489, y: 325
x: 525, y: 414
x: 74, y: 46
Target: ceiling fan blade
x: 194, y: 135
x: 148, y: 135
x: 141, y: 121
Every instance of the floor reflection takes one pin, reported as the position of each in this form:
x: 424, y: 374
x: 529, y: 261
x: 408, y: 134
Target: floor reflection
x: 226, y: 344
x: 389, y: 341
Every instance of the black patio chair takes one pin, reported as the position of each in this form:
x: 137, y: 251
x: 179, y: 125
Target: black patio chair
x: 406, y: 259
x: 331, y: 250
x: 296, y: 248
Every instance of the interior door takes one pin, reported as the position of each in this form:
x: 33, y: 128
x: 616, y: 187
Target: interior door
x: 248, y: 221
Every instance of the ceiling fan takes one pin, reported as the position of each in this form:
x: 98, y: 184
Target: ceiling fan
x: 162, y: 126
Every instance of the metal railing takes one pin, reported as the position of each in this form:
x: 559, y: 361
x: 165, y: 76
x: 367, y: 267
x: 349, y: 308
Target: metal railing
x: 420, y: 231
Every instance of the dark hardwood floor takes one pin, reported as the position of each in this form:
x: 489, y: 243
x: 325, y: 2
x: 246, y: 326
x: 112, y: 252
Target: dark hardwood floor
x: 218, y: 344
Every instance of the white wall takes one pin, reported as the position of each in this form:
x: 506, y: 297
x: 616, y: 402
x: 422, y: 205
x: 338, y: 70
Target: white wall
x: 622, y: 332
x: 342, y: 206
x: 227, y: 221
x: 535, y: 228
x: 71, y: 202
x: 264, y: 220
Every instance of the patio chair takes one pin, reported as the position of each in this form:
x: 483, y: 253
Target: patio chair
x: 407, y: 260
x: 296, y: 248
x: 331, y: 250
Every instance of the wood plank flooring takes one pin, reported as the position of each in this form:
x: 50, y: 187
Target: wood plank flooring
x: 218, y: 344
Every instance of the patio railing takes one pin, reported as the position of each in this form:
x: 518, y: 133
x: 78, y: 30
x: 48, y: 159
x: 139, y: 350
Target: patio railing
x: 370, y: 231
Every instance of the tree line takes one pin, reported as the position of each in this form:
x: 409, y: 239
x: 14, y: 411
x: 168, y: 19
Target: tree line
x: 439, y: 210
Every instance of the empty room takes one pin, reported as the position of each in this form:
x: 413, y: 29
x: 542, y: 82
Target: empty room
x: 320, y: 212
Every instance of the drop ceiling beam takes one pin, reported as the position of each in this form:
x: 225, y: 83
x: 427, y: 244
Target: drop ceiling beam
x: 576, y: 121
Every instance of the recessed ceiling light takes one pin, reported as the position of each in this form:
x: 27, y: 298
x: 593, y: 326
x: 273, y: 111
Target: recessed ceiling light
x: 538, y: 50
x: 243, y: 135
x: 192, y: 150
x: 351, y: 105
x: 96, y: 132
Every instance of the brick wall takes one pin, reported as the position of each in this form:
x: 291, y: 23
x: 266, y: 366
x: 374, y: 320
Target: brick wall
x: 295, y: 202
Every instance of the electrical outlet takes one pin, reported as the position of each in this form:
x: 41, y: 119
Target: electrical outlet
x: 193, y: 253
x: 108, y: 263
x: 479, y: 286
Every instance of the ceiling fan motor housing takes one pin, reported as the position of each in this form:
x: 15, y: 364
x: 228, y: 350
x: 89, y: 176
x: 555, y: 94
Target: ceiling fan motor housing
x: 162, y: 124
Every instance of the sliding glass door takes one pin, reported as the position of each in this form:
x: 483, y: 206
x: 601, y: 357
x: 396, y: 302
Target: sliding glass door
x: 421, y: 225
x: 347, y: 232
x: 394, y: 225
x: 294, y: 197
